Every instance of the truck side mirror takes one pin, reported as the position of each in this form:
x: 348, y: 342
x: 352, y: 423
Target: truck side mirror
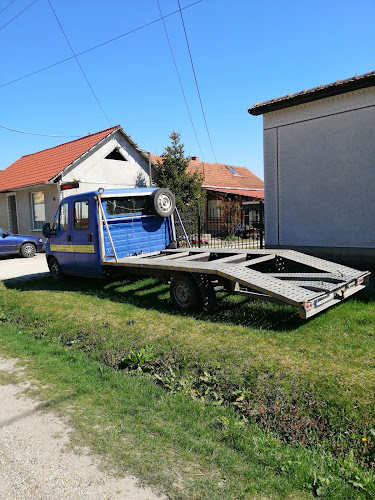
x: 47, y: 231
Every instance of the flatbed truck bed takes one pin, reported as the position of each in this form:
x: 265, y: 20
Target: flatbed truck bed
x: 131, y: 231
x: 282, y: 276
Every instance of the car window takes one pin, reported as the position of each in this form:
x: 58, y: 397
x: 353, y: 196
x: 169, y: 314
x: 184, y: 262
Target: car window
x: 2, y: 231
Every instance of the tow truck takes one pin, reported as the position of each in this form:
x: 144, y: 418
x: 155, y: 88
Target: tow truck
x: 131, y: 231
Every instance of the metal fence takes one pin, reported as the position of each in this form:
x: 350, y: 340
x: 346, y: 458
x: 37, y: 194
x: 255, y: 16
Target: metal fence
x: 222, y: 227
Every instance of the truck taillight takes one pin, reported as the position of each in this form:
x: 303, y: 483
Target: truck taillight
x: 308, y: 306
x: 360, y: 280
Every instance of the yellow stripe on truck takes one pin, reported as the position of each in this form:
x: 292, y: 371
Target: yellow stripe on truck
x: 73, y: 248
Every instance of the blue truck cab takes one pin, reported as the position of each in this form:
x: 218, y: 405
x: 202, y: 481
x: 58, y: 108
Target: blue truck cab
x: 101, y: 226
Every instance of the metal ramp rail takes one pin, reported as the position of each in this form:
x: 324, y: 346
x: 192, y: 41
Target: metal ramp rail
x: 282, y: 276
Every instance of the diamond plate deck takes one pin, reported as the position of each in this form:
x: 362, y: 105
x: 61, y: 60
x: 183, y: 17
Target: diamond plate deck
x: 292, y: 288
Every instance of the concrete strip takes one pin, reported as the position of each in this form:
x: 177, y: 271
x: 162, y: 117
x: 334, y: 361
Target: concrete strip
x: 14, y: 266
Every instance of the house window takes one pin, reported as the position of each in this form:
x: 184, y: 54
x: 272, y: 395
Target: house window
x: 81, y: 214
x: 115, y: 155
x: 38, y: 212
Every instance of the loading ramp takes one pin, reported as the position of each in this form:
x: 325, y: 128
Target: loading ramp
x: 282, y: 276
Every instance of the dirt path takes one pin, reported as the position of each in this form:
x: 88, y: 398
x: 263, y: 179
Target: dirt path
x: 33, y: 464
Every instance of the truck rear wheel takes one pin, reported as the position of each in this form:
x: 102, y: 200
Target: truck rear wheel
x: 185, y: 293
x: 55, y: 269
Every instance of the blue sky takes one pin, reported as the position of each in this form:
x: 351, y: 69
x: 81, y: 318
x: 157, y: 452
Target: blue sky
x: 243, y: 52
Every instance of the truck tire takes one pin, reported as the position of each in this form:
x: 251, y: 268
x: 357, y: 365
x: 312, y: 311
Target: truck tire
x: 163, y: 202
x: 55, y: 269
x: 185, y: 293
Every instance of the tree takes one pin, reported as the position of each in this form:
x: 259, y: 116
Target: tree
x: 171, y: 172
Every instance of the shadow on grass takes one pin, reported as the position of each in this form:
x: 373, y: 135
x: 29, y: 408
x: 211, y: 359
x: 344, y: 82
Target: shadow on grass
x: 152, y: 294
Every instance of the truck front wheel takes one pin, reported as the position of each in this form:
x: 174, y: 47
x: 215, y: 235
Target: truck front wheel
x: 55, y: 269
x: 185, y: 293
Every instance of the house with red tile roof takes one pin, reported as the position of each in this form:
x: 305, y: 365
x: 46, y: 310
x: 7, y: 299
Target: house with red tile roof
x: 226, y: 182
x: 31, y: 188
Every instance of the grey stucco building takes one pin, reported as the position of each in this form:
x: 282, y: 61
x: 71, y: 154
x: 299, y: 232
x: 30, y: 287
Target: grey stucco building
x: 319, y: 169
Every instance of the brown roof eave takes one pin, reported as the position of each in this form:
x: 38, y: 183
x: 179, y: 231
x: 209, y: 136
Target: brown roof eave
x: 25, y: 186
x: 322, y: 92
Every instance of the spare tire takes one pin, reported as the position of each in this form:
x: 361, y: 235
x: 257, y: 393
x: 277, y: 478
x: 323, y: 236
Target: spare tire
x: 163, y: 202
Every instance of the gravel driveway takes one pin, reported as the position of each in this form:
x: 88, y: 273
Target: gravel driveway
x: 34, y: 464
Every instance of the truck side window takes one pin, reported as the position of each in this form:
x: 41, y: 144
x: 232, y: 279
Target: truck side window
x: 81, y: 214
x: 63, y: 218
x: 126, y: 205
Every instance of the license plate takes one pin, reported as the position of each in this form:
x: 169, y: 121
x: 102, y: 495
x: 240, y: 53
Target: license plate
x: 323, y: 300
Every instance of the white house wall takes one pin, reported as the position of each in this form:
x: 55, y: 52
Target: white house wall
x: 320, y: 173
x: 24, y: 210
x: 93, y: 170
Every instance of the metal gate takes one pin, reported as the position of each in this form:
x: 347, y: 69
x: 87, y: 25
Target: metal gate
x: 224, y: 227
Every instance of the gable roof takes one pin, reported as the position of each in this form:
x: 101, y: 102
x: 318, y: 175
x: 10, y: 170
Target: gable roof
x: 339, y: 87
x: 41, y: 167
x: 221, y: 177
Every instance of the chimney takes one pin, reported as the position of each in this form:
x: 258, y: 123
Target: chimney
x: 195, y: 158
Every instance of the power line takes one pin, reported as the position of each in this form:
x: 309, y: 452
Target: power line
x: 196, y: 81
x: 9, y: 4
x: 41, y: 135
x: 99, y: 45
x: 76, y: 58
x: 179, y: 79
x: 22, y: 11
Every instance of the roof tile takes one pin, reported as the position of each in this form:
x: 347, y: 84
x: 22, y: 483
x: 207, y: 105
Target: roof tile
x: 39, y: 168
x: 218, y: 175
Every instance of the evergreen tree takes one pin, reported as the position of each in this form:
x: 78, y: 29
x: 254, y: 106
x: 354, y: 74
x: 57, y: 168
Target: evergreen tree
x: 171, y: 172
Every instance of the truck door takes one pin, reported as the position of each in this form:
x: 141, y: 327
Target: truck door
x: 61, y: 245
x: 84, y: 235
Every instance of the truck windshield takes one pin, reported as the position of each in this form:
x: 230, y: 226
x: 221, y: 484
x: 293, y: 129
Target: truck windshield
x: 127, y: 205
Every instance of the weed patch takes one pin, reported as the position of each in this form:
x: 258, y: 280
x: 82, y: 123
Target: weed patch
x: 303, y: 420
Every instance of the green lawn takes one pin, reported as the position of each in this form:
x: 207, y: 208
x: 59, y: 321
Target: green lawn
x: 247, y: 401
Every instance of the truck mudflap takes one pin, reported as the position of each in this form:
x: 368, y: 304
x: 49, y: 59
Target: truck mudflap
x: 282, y: 276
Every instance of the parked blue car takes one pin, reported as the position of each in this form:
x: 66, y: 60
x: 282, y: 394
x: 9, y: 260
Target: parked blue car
x: 27, y: 246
